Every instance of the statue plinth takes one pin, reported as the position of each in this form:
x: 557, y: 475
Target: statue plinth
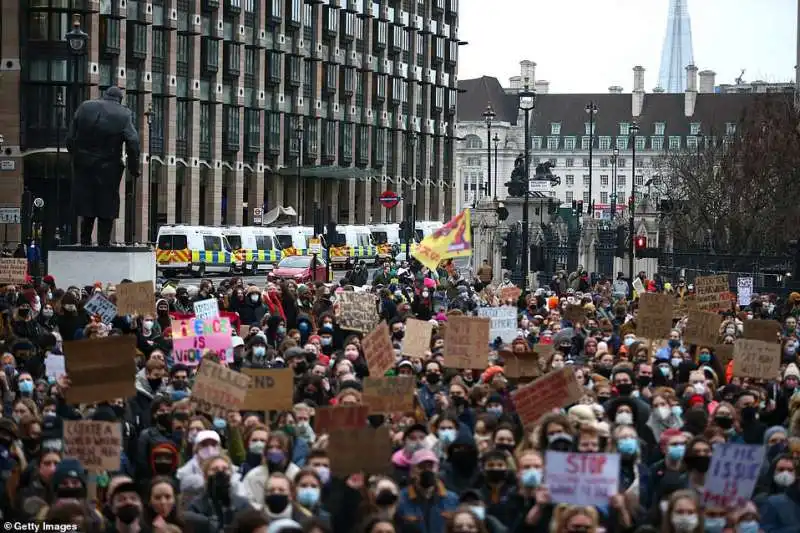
x: 84, y: 265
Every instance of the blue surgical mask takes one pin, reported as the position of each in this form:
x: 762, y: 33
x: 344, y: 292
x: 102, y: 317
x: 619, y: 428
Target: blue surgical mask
x: 308, y: 496
x: 26, y: 387
x: 664, y: 371
x: 629, y: 341
x: 748, y: 526
x: 447, y: 436
x: 676, y: 451
x: 628, y: 446
x: 531, y: 478
x: 326, y: 341
x: 715, y: 524
x: 281, y: 330
x: 220, y: 424
x: 677, y: 410
x: 676, y: 362
x: 259, y: 351
x: 479, y: 511
x: 324, y: 474
x: 674, y: 343
x: 496, y: 411
x: 705, y: 358
x: 257, y: 447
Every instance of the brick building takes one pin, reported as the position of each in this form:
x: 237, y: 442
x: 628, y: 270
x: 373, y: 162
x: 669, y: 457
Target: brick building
x: 234, y: 89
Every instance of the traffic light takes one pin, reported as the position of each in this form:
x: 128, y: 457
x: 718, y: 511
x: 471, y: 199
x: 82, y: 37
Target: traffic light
x: 640, y: 243
x: 580, y: 207
x: 403, y: 228
x: 574, y: 206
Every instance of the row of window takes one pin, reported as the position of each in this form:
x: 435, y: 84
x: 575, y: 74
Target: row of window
x: 658, y: 128
x: 604, y: 143
x: 605, y: 197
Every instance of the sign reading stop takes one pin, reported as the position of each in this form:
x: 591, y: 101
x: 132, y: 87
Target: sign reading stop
x: 389, y: 199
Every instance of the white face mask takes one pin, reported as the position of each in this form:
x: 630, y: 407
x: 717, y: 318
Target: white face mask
x: 684, y: 523
x: 784, y: 479
x: 624, y: 419
x: 663, y: 412
x: 700, y: 388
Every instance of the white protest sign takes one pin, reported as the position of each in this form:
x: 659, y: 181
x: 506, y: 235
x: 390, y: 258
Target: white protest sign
x: 744, y: 291
x: 733, y: 474
x: 582, y: 478
x: 206, y: 309
x: 503, y: 322
x: 99, y: 305
x: 620, y: 288
x: 55, y: 365
x: 638, y: 286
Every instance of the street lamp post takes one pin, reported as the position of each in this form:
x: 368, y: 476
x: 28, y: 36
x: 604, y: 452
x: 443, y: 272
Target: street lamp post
x: 299, y: 132
x: 699, y: 140
x: 614, y: 157
x: 527, y: 102
x: 591, y: 110
x: 489, y: 116
x: 496, y: 141
x: 634, y: 129
x: 77, y: 40
x: 411, y: 218
x: 148, y: 116
x: 59, y: 121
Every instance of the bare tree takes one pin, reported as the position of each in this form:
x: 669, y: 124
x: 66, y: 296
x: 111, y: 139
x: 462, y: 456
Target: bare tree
x: 737, y: 194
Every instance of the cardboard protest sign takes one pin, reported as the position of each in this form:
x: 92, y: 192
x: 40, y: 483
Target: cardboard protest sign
x: 756, y: 359
x: 702, y: 327
x: 503, y: 322
x: 510, y: 294
x: 369, y: 456
x: 521, y: 365
x: 466, y: 343
x: 552, y: 391
x: 724, y: 353
x: 218, y: 390
x: 733, y: 474
x: 575, y: 313
x: 270, y: 389
x: 326, y: 419
x: 206, y: 309
x: 97, y: 445
x: 136, y: 298
x: 762, y: 330
x: 356, y: 311
x: 192, y: 337
x: 378, y: 350
x: 417, y: 339
x: 99, y: 305
x: 389, y: 394
x: 744, y: 291
x: 13, y: 270
x: 682, y: 307
x: 654, y: 320
x: 582, y: 478
x: 101, y: 369
x: 711, y: 293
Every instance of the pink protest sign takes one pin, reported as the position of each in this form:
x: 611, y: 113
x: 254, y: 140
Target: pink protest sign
x: 192, y: 337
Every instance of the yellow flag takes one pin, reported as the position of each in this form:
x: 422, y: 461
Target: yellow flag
x: 454, y: 239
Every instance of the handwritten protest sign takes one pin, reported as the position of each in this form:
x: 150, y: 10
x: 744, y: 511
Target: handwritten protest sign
x: 13, y: 270
x: 756, y: 359
x: 503, y: 322
x: 378, y: 350
x: 218, y: 390
x: 100, y: 306
x: 101, y: 369
x: 711, y: 293
x: 654, y: 320
x: 95, y: 444
x: 702, y: 327
x: 521, y: 365
x: 762, y: 330
x: 192, y: 337
x: 135, y: 298
x: 734, y: 470
x: 356, y: 311
x: 327, y: 419
x: 206, y: 309
x: 552, y: 391
x: 389, y: 394
x: 374, y: 446
x: 466, y: 343
x: 582, y: 478
x: 682, y: 307
x: 417, y: 339
x: 270, y: 389
x: 744, y: 291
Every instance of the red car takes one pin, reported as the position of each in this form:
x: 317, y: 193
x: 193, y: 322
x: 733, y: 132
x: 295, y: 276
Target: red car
x: 298, y: 268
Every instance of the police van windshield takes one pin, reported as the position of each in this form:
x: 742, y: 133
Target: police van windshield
x: 285, y: 241
x: 235, y: 241
x: 380, y: 237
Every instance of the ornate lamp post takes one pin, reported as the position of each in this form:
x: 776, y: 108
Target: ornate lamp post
x: 77, y: 41
x: 148, y: 116
x: 298, y: 131
x: 634, y: 129
x: 527, y: 103
x: 59, y: 123
x: 496, y: 141
x: 614, y: 157
x: 489, y: 116
x: 591, y: 110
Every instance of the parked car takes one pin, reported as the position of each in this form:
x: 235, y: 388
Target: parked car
x: 298, y: 268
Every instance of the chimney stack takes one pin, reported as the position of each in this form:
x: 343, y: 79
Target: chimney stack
x: 707, y: 81
x: 541, y: 86
x: 615, y: 89
x: 690, y: 96
x: 527, y: 69
x: 637, y: 97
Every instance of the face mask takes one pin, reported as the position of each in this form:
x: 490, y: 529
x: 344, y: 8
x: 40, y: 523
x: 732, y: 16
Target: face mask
x: 676, y: 451
x: 478, y: 511
x: 275, y: 457
x: 676, y: 362
x: 427, y: 479
x: 163, y: 420
x: 629, y: 341
x: 308, y: 496
x: 725, y: 422
x: 385, y: 498
x: 207, y: 452
x: 219, y: 486
x: 324, y: 474
x: 255, y: 298
x: 749, y: 414
x: 26, y: 387
x: 276, y: 503
x: 748, y: 526
x: 281, y: 330
x: 730, y: 331
x: 784, y: 479
x: 496, y: 410
x: 326, y: 341
x: 714, y: 525
x: 433, y: 378
x: 257, y: 447
x: 624, y: 419
x: 684, y: 523
x: 259, y: 351
x: 663, y: 412
x: 698, y: 463
x: 557, y: 365
x: 677, y: 410
x: 447, y: 436
x: 665, y: 371
x: 644, y: 381
x: 147, y: 324
x: 412, y: 446
x: 531, y: 478
x: 47, y: 313
x: 496, y: 476
x: 220, y: 424
x: 351, y: 355
x: 674, y: 343
x: 24, y: 312
x: 628, y: 446
x: 700, y: 388
x: 705, y: 357
x: 399, y: 334
x: 127, y: 514
x: 625, y: 389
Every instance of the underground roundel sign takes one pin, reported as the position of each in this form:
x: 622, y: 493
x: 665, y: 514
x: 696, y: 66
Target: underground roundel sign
x: 389, y: 199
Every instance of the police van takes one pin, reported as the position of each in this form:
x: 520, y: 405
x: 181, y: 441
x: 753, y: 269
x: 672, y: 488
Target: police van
x: 353, y: 244
x: 193, y: 250
x: 254, y: 247
x: 384, y: 236
x: 294, y: 239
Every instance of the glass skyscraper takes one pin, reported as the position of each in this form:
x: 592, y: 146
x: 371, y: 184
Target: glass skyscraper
x: 677, y: 53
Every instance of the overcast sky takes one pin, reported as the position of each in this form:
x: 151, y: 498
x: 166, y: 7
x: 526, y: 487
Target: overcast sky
x: 589, y: 45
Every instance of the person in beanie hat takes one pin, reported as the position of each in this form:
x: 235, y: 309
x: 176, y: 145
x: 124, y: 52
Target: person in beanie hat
x: 69, y: 481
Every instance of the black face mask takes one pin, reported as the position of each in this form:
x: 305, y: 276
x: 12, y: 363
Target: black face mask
x: 155, y: 384
x: 163, y: 468
x: 496, y: 476
x: 427, y: 479
x: 219, y: 487
x: 163, y: 420
x: 725, y: 422
x: 459, y: 401
x: 119, y: 410
x: 697, y: 463
x: 385, y: 498
x: 749, y: 414
x: 30, y: 445
x: 276, y: 503
x: 603, y: 371
x: 644, y: 381
x: 398, y: 335
x: 463, y: 459
x: 505, y: 447
x: 625, y: 389
x: 603, y: 399
x: 179, y: 384
x: 128, y: 514
x: 433, y: 378
x: 71, y: 493
x: 300, y: 367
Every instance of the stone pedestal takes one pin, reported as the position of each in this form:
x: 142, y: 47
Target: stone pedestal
x: 84, y: 265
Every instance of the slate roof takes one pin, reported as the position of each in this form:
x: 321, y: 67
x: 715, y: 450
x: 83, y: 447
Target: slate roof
x: 479, y: 92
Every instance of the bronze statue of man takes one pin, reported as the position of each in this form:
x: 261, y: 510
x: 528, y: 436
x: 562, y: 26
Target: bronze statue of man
x: 95, y: 139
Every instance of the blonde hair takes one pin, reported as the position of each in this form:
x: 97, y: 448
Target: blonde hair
x: 563, y: 513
